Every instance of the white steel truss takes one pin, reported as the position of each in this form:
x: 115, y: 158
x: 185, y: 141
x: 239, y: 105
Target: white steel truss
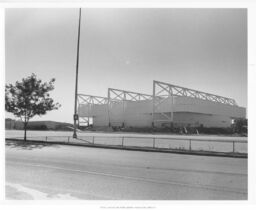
x: 123, y: 95
x: 162, y: 91
x: 89, y: 99
x: 182, y: 91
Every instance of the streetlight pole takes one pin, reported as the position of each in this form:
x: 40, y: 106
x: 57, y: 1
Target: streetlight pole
x: 77, y: 64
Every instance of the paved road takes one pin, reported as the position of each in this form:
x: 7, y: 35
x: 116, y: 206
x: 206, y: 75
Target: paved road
x: 40, y: 171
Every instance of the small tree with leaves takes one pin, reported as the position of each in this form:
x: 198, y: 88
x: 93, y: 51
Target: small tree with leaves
x: 28, y: 98
x: 240, y: 125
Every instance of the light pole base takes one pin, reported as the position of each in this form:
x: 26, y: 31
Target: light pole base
x: 74, y: 135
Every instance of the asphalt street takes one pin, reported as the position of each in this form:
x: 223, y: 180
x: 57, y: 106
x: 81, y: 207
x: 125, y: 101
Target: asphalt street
x: 45, y: 171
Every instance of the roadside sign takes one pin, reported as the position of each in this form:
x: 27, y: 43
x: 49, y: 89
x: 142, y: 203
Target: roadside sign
x: 75, y: 116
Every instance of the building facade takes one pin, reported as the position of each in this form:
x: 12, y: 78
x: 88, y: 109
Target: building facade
x: 169, y: 105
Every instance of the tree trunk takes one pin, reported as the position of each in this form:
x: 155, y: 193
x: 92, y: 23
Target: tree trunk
x: 25, y: 131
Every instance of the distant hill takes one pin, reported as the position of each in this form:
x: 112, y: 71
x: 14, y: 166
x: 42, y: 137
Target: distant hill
x: 11, y: 124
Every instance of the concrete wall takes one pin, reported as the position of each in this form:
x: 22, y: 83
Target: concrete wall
x: 99, y: 113
x: 101, y: 121
x: 90, y: 110
x: 131, y: 113
x: 186, y: 104
x: 198, y: 119
x: 187, y: 111
x: 138, y: 114
x: 135, y: 114
x: 116, y: 115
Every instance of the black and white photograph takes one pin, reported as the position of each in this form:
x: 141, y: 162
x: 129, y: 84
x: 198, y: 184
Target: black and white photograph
x: 146, y: 104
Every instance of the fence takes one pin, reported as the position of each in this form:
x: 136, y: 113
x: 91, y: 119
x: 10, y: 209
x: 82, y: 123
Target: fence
x: 166, y: 143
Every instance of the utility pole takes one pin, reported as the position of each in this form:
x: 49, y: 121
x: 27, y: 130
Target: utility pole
x: 77, y: 65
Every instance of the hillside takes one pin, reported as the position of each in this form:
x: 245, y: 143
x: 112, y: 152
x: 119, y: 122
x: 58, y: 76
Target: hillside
x: 11, y: 124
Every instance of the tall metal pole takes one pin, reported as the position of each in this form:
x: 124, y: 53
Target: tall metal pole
x: 77, y: 64
x: 109, y: 124
x: 153, y: 103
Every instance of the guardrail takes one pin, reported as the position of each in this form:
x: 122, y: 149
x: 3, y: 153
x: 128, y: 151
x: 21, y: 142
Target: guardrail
x: 166, y: 143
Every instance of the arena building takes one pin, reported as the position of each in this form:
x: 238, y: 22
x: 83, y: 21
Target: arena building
x: 169, y: 105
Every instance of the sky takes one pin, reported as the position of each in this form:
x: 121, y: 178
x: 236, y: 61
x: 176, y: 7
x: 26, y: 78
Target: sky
x: 202, y: 49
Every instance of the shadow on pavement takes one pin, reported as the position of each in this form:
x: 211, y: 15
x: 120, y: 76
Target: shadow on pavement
x: 13, y: 194
x: 29, y: 145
